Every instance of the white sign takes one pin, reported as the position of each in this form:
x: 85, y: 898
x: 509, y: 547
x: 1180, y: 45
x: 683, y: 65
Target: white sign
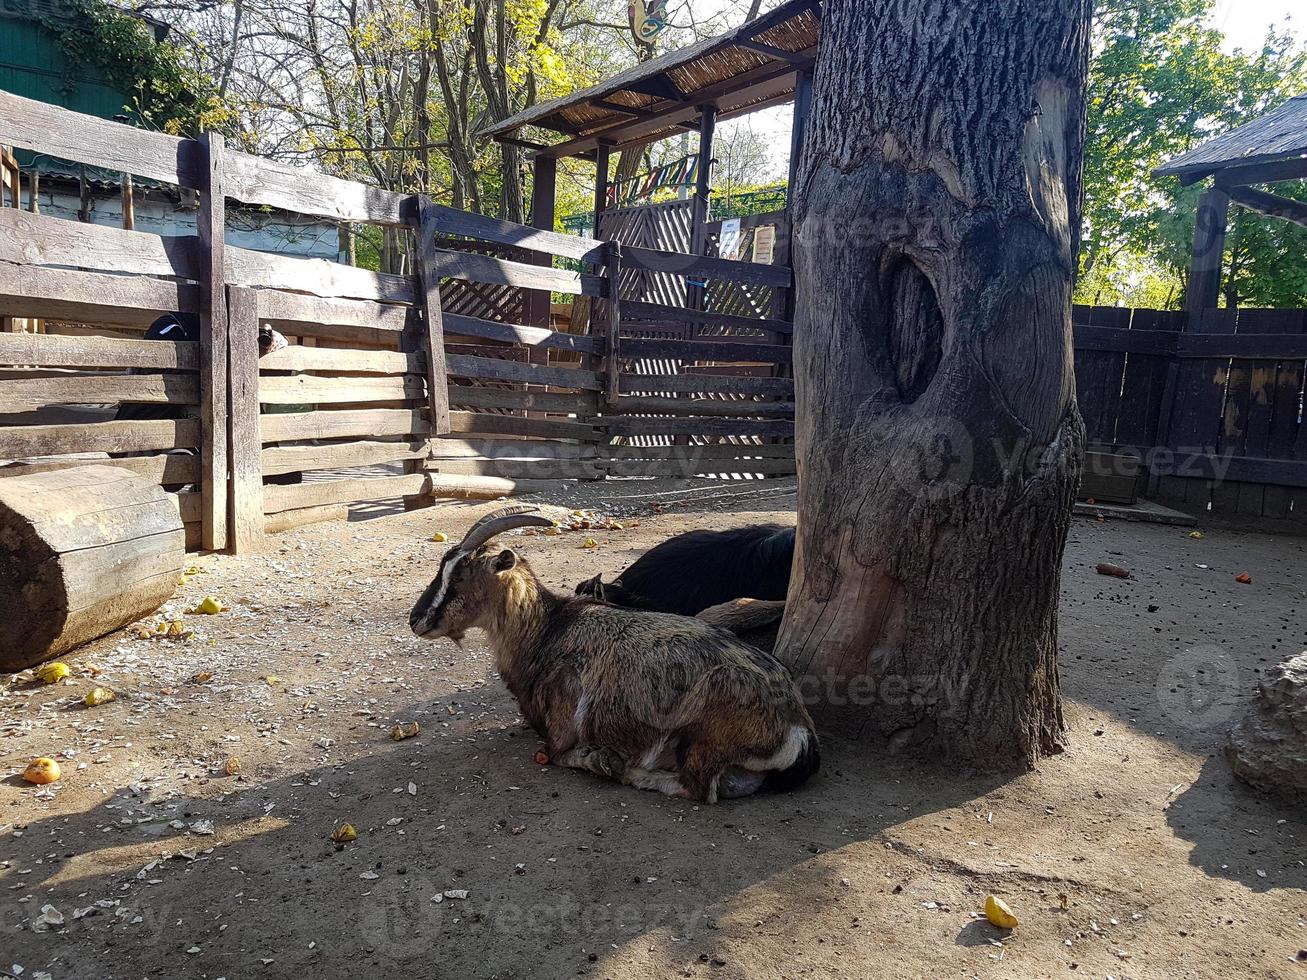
x: 729, y: 245
x: 764, y: 244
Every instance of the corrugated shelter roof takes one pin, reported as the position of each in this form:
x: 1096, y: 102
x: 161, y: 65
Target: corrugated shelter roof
x: 1281, y: 134
x: 745, y: 69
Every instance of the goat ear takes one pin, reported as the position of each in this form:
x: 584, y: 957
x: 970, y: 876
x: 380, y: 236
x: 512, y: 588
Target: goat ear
x: 505, y: 560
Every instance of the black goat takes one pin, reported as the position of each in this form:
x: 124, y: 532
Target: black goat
x: 693, y: 571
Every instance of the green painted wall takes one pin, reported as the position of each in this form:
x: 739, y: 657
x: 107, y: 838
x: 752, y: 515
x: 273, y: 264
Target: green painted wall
x: 33, y: 65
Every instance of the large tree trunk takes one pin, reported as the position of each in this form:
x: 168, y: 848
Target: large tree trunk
x: 939, y: 441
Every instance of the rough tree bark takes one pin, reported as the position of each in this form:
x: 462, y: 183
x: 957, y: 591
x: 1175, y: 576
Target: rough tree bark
x: 939, y: 441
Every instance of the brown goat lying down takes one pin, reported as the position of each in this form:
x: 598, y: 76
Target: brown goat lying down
x: 654, y: 700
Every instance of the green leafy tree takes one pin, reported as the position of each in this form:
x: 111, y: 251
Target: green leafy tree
x: 1160, y: 84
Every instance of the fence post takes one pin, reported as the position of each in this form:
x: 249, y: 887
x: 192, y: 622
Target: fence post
x: 437, y: 377
x: 209, y: 223
x: 612, y: 366
x: 246, y: 445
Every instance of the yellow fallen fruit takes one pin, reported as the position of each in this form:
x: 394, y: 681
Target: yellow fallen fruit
x: 272, y: 679
x: 209, y: 606
x: 998, y: 914
x: 53, y: 672
x: 1196, y: 535
x: 440, y: 536
x: 42, y: 771
x: 401, y: 732
x: 553, y: 531
x: 344, y: 833
x: 590, y: 543
x: 202, y: 677
x: 232, y: 767
x: 97, y: 697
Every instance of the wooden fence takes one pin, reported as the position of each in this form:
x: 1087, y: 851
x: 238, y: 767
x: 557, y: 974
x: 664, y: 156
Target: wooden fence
x: 414, y: 387
x: 1210, y: 403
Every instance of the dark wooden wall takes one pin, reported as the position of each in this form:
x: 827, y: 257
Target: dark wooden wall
x: 1212, y: 401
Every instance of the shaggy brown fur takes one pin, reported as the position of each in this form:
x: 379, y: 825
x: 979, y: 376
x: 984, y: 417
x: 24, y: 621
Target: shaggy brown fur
x: 655, y: 700
x: 755, y: 621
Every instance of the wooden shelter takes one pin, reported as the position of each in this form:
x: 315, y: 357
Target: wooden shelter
x: 767, y: 61
x: 1268, y: 149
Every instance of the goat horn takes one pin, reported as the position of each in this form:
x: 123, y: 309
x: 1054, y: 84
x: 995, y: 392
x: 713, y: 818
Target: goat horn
x: 504, y: 519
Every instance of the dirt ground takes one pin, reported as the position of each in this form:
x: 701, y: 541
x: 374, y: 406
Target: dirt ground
x: 147, y: 860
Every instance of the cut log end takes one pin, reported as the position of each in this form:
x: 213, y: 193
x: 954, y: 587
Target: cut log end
x: 84, y: 551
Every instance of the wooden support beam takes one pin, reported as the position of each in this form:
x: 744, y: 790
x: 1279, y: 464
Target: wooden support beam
x: 1252, y: 173
x: 544, y: 190
x: 128, y: 203
x: 799, y: 128
x: 210, y: 223
x: 612, y: 351
x: 773, y: 52
x: 601, y: 184
x: 245, y: 493
x: 1269, y: 204
x: 702, y: 190
x: 1208, y: 250
x: 630, y: 110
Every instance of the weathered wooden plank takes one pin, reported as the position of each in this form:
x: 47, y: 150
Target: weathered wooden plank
x: 1244, y: 345
x: 489, y: 269
x: 293, y: 497
x: 1096, y: 338
x: 455, y: 486
x: 707, y: 350
x: 613, y: 325
x: 520, y: 469
x: 1144, y: 381
x: 433, y: 324
x: 494, y: 369
x: 293, y: 310
x: 1262, y: 202
x: 297, y: 459
x: 1198, y: 396
x: 299, y: 358
x: 702, y: 467
x: 702, y: 266
x: 258, y: 180
x: 51, y: 350
x: 578, y: 403
x: 165, y: 468
x: 784, y: 450
x: 303, y: 389
x: 449, y: 447
x: 98, y: 389
x: 1246, y: 469
x: 635, y: 405
x: 506, y: 425
x: 636, y: 425
x: 289, y: 520
x: 438, y: 219
x: 320, y: 277
x: 66, y: 294
x: 469, y: 326
x: 245, y: 494
x: 36, y: 239
x: 707, y: 384
x: 344, y: 424
x: 211, y: 264
x: 18, y: 441
x: 658, y: 313
x: 51, y: 130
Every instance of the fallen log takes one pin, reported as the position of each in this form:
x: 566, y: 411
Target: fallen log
x: 83, y: 552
